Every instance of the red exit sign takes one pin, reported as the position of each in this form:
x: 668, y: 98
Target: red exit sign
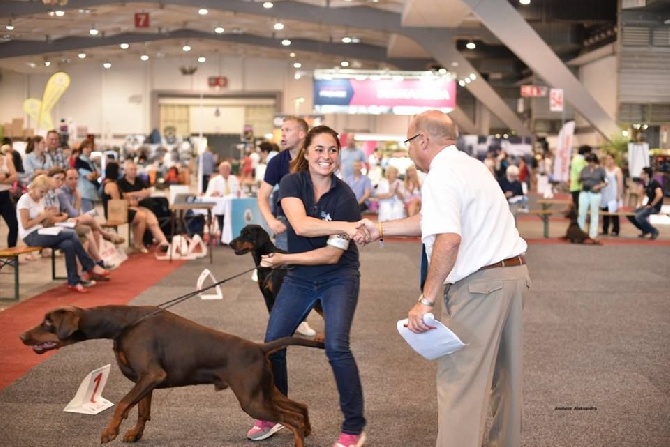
x: 142, y: 20
x: 533, y: 90
x: 217, y: 81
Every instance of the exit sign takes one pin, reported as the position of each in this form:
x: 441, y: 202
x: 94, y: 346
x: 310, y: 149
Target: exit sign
x: 142, y: 20
x: 533, y: 91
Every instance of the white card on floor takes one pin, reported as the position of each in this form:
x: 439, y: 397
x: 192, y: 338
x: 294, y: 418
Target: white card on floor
x: 432, y: 344
x: 88, y: 399
x: 208, y: 296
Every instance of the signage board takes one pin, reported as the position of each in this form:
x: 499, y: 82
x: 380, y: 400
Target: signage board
x: 142, y: 20
x: 533, y: 91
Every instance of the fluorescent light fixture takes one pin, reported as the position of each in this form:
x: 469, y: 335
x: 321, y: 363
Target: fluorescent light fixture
x: 268, y: 5
x: 9, y: 26
x: 81, y: 55
x: 202, y: 59
x: 344, y: 63
x: 93, y: 31
x: 219, y: 30
x: 186, y: 47
x: 346, y: 39
x: 56, y: 13
x: 144, y: 57
x: 278, y: 26
x: 524, y: 2
x: 470, y: 45
x: 286, y: 42
x: 297, y: 65
x: 107, y: 65
x: 203, y: 11
x: 124, y: 46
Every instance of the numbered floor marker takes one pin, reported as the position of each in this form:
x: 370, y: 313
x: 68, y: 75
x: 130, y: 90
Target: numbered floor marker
x: 88, y: 399
x: 211, y: 296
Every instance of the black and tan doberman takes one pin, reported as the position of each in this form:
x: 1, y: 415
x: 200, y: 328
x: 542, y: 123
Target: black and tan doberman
x: 158, y: 349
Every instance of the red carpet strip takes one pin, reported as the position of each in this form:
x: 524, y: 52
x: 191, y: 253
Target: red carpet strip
x: 134, y: 276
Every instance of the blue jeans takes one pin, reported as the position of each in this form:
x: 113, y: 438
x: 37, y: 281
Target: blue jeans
x: 339, y: 297
x: 589, y: 201
x: 641, y: 219
x: 70, y: 245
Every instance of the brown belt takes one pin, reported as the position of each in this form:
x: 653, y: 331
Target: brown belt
x: 509, y: 262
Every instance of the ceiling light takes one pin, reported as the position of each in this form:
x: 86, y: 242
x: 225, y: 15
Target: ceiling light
x: 59, y: 13
x: 355, y: 40
x: 297, y: 65
x: 31, y: 64
x: 442, y: 71
x: 278, y: 26
x: 47, y: 63
x: 93, y: 31
x: 454, y: 64
x: 286, y: 42
x: 202, y: 59
x: 84, y: 11
x: 346, y: 39
x: 467, y: 80
x: 292, y: 54
x: 219, y: 30
x: 107, y: 65
x: 9, y: 26
x: 202, y: 11
x: 470, y: 45
x: 124, y: 46
x: 297, y: 75
x: 524, y: 2
x: 186, y: 47
x: 144, y: 57
x: 473, y: 76
x: 268, y: 5
x: 81, y: 55
x: 344, y: 63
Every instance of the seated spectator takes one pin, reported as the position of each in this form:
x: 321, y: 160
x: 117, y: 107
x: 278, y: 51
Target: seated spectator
x: 361, y: 185
x: 134, y: 190
x: 654, y: 194
x: 223, y: 185
x: 391, y: 195
x: 412, y: 191
x: 33, y: 215
x: 513, y: 189
x: 88, y: 176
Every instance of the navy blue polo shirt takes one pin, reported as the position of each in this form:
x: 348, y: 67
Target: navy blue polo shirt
x: 277, y: 168
x: 339, y: 203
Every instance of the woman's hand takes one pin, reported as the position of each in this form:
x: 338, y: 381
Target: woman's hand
x: 273, y: 260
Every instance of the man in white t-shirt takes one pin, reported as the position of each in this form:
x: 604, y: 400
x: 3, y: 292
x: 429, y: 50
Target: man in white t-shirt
x: 223, y: 185
x: 476, y: 256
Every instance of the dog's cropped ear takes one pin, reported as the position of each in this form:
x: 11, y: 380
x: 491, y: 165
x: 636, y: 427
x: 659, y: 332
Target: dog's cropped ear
x: 65, y: 321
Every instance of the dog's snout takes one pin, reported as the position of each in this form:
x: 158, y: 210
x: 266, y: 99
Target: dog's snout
x: 24, y: 337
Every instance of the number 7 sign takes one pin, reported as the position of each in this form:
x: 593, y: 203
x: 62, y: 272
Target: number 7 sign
x: 88, y: 399
x: 142, y: 20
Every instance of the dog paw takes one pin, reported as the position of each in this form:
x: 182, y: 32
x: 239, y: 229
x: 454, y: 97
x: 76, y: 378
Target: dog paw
x: 109, y: 434
x: 132, y: 436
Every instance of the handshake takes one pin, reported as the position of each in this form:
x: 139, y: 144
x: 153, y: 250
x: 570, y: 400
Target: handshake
x: 363, y: 232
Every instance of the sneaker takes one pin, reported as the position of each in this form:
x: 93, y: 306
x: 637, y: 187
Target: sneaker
x: 263, y: 430
x: 305, y: 330
x: 654, y: 234
x: 346, y: 440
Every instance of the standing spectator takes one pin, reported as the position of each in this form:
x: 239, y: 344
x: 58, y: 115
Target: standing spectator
x: 375, y: 166
x: 8, y: 176
x: 593, y: 179
x: 223, y: 185
x: 474, y: 248
x: 16, y: 157
x: 350, y: 154
x: 490, y: 162
x: 577, y: 164
x: 88, y: 176
x: 317, y: 205
x: 247, y: 167
x: 524, y: 173
x: 54, y: 150
x: 412, y: 191
x: 37, y: 162
x: 502, y: 162
x: 293, y: 132
x: 361, y: 186
x: 611, y: 196
x: 391, y: 196
x: 654, y: 193
x: 207, y: 160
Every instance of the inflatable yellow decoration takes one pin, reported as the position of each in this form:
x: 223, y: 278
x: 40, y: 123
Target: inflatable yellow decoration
x: 40, y: 111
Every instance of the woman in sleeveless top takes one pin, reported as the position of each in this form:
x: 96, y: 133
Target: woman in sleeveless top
x: 8, y: 176
x: 613, y: 192
x: 412, y: 191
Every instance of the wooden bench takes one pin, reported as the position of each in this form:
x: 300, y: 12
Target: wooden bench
x: 544, y: 215
x: 10, y: 256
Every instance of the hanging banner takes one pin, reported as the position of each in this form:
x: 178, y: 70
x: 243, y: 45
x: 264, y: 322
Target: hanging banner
x: 563, y: 152
x: 556, y: 99
x: 398, y: 95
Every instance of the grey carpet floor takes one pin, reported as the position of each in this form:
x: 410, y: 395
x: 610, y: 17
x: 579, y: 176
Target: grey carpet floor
x: 596, y: 326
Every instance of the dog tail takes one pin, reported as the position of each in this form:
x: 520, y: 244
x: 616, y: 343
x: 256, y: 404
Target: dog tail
x: 283, y: 342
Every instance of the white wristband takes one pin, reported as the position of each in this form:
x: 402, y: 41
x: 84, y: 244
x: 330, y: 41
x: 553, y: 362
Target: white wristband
x: 338, y: 241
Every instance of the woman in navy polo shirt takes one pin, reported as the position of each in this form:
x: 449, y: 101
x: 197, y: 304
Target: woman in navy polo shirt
x: 322, y: 214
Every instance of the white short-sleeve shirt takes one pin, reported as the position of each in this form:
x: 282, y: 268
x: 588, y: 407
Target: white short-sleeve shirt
x: 34, y: 208
x: 460, y: 196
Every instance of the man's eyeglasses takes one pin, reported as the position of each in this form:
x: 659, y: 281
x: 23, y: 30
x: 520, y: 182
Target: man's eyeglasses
x: 409, y: 140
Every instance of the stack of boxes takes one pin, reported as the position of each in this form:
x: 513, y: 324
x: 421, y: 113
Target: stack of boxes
x: 16, y: 129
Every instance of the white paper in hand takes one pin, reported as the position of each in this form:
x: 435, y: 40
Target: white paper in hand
x: 432, y: 344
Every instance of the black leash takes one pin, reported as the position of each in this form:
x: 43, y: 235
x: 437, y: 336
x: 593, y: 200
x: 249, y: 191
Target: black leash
x: 182, y: 298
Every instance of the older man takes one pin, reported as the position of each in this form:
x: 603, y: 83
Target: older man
x: 54, y: 151
x: 476, y: 256
x: 223, y: 185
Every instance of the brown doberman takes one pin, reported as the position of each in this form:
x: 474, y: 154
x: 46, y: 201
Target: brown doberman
x: 574, y: 234
x: 157, y: 349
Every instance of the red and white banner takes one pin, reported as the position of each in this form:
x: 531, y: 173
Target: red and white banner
x: 563, y: 152
x: 556, y: 99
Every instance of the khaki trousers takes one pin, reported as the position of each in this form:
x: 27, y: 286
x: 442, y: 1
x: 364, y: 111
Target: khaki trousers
x: 484, y: 310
